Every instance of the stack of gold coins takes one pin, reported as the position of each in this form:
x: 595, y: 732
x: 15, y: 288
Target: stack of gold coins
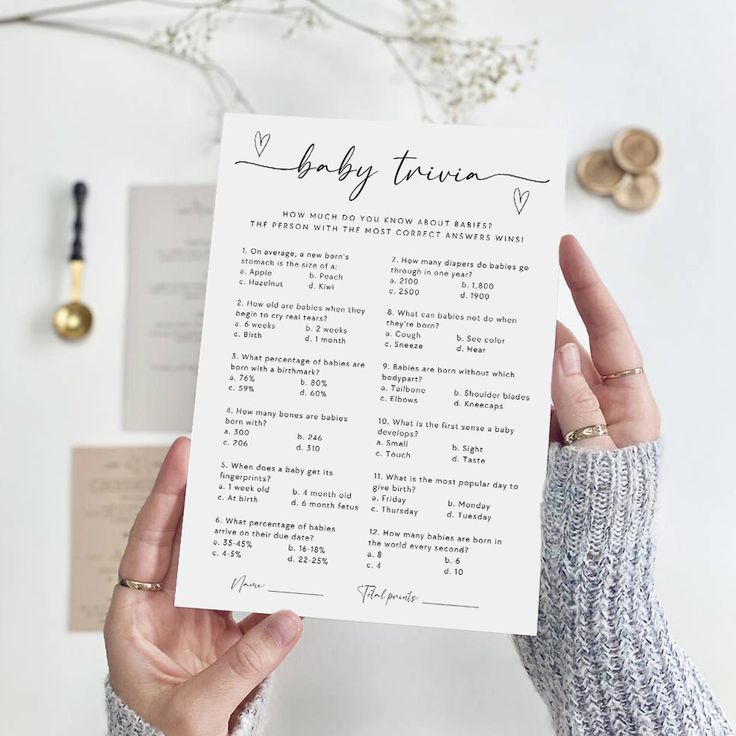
x: 626, y: 172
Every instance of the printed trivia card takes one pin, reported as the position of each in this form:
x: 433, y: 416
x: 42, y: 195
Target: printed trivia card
x: 372, y: 409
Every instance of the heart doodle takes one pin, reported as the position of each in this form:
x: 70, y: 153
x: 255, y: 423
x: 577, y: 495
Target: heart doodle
x: 261, y: 141
x: 520, y: 199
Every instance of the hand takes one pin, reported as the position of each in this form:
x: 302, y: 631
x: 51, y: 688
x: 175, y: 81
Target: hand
x: 579, y: 396
x: 185, y: 671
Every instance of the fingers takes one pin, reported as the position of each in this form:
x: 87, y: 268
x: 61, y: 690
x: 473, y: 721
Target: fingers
x: 148, y: 554
x: 221, y: 687
x: 565, y: 334
x: 173, y: 571
x: 250, y: 621
x: 612, y: 346
x: 247, y: 623
x: 575, y: 403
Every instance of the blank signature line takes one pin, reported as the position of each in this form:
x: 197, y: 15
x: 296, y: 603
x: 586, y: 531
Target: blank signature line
x: 297, y: 592
x: 453, y: 605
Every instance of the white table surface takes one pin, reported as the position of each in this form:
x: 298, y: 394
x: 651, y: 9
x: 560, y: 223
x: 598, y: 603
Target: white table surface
x: 75, y: 107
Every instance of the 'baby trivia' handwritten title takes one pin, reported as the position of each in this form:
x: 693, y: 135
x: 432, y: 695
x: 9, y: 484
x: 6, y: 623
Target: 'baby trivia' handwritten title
x: 405, y: 169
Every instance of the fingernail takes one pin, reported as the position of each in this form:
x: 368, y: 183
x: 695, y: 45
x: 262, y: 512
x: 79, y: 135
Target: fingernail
x: 570, y: 358
x: 283, y: 627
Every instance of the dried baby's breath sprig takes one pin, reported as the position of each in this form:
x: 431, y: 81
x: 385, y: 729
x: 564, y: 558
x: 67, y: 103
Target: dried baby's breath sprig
x: 451, y: 75
x: 456, y: 75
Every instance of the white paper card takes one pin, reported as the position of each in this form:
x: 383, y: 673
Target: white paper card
x: 169, y: 241
x: 372, y: 410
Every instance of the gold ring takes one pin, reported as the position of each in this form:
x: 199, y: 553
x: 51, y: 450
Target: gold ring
x: 594, y: 430
x: 137, y: 585
x: 621, y: 374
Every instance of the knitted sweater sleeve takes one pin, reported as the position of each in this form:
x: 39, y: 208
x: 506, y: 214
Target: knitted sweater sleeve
x: 603, y: 658
x: 124, y: 721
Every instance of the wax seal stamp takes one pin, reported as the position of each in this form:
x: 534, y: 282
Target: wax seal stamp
x: 636, y: 150
x: 598, y: 172
x: 638, y: 193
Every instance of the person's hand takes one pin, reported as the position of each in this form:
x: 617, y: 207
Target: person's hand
x: 579, y: 396
x: 185, y: 671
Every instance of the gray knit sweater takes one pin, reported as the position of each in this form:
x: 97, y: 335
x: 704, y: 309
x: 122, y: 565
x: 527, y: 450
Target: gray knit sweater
x: 603, y: 658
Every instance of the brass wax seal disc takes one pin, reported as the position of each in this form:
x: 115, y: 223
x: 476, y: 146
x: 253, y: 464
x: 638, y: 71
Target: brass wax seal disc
x: 599, y: 173
x: 636, y: 151
x: 638, y: 193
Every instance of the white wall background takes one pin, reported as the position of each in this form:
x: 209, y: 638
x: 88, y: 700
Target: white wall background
x: 74, y: 107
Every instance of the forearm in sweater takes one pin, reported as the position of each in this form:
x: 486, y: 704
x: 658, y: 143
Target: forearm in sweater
x: 603, y: 658
x: 124, y: 721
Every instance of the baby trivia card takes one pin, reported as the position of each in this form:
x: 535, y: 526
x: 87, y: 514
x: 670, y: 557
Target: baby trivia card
x: 372, y: 409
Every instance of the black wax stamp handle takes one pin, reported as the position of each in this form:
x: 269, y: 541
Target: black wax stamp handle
x: 79, y: 190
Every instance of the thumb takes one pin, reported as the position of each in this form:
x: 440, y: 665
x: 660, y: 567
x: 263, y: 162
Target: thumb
x: 576, y: 406
x: 219, y: 689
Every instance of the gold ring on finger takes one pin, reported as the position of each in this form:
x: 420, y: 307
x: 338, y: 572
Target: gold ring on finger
x: 593, y: 430
x: 138, y: 585
x: 621, y: 374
